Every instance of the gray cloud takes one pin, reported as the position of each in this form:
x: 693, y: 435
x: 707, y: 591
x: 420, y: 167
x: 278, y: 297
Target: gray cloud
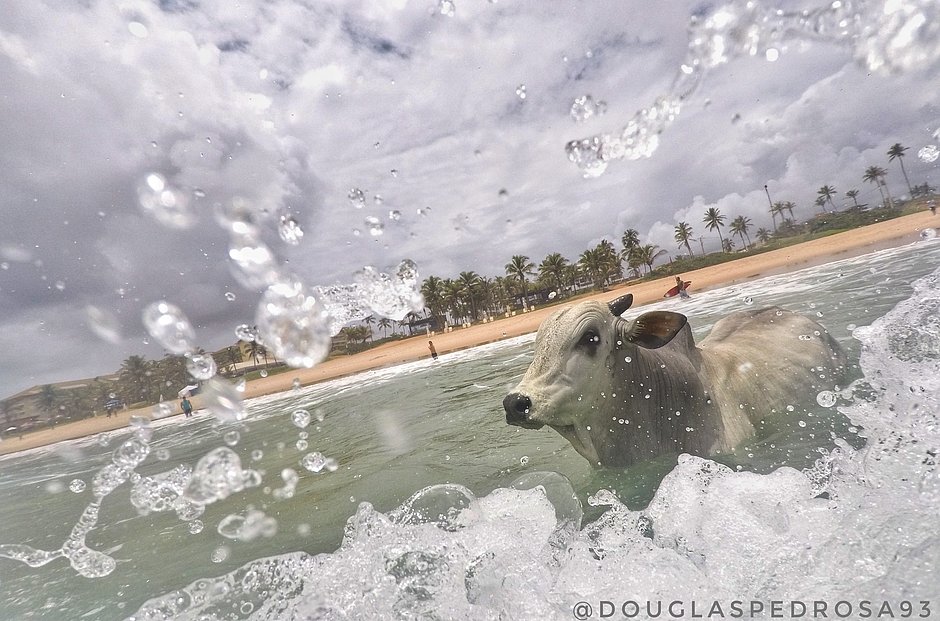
x: 287, y: 106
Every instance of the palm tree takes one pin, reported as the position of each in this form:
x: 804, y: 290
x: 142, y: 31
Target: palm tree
x: 897, y: 152
x: 683, y: 235
x: 825, y: 193
x: 763, y: 235
x: 853, y: 194
x: 714, y: 221
x: 233, y: 355
x: 470, y: 284
x: 739, y: 226
x: 876, y: 175
x: 520, y: 267
x: 49, y: 400
x: 777, y: 209
x: 385, y: 323
x: 433, y: 291
x: 648, y: 254
x: 369, y: 321
x: 629, y: 241
x: 611, y: 261
x: 135, y: 378
x: 821, y: 203
x: 553, y: 267
x: 593, y: 263
x: 254, y: 351
x: 454, y: 298
x: 727, y: 245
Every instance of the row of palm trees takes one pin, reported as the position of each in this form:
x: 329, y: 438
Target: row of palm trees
x: 740, y: 225
x: 470, y: 296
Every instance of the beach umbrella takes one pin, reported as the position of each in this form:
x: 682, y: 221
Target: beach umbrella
x: 187, y: 391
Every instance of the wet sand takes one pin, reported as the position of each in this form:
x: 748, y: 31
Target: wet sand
x: 896, y: 232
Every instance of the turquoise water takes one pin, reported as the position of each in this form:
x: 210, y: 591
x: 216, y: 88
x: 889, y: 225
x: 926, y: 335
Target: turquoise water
x: 392, y: 432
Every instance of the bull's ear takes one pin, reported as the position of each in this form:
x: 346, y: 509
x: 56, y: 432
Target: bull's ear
x: 654, y: 329
x: 621, y: 304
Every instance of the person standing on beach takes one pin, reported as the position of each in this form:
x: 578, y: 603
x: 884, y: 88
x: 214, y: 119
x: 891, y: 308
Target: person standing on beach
x: 187, y: 407
x: 433, y: 351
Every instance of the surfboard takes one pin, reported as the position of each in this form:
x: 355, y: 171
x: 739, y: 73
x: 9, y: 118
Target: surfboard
x: 675, y: 290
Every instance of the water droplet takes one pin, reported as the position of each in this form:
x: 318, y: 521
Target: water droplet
x: 447, y: 7
x: 162, y: 454
x: 805, y: 337
x: 826, y: 398
x: 295, y: 324
x: 748, y: 300
x: 301, y: 445
x: 584, y: 107
x: 196, y: 526
x: 357, y: 198
x: 220, y: 554
x: 394, y: 215
x: 524, y: 460
x: 772, y: 54
x: 314, y: 462
x: 164, y: 203
x: 104, y: 324
x: 929, y: 154
x: 375, y: 226
x: 628, y: 359
x: 246, y: 333
x: 231, y: 438
x: 300, y: 418
x: 520, y: 91
x: 928, y: 233
x: 223, y: 400
x: 138, y: 30
x: 102, y: 439
x: 290, y: 231
x: 77, y: 486
x: 394, y: 172
x: 169, y: 326
x: 263, y: 372
x: 201, y: 366
x: 229, y: 296
x: 253, y: 264
x: 162, y: 410
x: 199, y: 193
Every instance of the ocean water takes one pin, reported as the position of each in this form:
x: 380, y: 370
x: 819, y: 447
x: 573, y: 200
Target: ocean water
x: 434, y: 508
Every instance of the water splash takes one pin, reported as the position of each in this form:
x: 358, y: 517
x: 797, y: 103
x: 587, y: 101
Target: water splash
x: 294, y: 323
x: 85, y: 561
x: 885, y: 36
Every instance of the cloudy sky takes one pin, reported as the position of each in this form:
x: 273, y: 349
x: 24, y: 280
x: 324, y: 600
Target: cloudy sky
x: 282, y: 107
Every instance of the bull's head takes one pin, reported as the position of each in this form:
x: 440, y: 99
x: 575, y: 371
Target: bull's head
x: 575, y: 352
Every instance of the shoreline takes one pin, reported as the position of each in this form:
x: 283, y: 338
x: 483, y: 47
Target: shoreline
x: 848, y: 244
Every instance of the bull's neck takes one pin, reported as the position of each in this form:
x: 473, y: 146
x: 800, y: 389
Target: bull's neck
x: 650, y: 387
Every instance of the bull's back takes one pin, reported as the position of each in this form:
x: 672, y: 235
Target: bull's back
x: 760, y: 361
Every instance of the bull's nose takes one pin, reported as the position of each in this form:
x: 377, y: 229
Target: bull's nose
x: 517, y: 408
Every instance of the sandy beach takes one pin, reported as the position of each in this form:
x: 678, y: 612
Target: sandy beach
x: 859, y: 241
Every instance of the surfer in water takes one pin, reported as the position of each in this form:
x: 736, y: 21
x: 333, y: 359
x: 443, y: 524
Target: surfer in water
x: 433, y: 351
x: 680, y: 285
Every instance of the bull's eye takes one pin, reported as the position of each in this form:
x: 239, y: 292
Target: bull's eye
x: 590, y: 339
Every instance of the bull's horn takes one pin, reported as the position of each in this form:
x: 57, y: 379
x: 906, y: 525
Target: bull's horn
x: 621, y: 304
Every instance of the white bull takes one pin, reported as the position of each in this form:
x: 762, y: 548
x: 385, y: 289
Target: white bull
x: 625, y: 392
